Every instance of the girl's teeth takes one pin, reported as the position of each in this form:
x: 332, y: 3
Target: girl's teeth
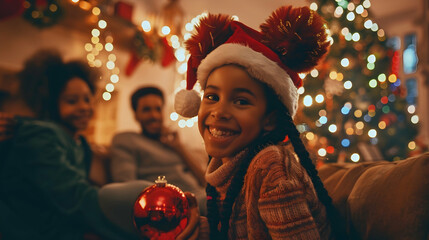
x: 219, y: 133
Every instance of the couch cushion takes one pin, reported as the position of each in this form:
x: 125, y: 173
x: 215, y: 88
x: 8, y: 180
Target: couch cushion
x: 382, y: 200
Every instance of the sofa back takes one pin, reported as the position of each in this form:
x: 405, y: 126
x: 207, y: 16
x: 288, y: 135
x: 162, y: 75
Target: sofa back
x: 381, y: 200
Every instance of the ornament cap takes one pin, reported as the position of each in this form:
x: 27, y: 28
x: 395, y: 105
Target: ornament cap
x: 161, y: 181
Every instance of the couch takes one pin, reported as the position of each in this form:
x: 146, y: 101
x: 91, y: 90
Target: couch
x: 381, y: 200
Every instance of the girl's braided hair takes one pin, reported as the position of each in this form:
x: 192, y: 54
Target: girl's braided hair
x: 285, y: 126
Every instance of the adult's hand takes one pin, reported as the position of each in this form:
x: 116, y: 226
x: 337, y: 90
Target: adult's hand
x: 192, y: 229
x: 6, y: 126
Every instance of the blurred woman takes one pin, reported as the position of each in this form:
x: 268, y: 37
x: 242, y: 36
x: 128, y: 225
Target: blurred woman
x: 45, y: 192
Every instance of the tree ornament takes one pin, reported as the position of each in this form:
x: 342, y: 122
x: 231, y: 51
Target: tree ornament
x: 389, y: 119
x: 160, y: 211
x: 333, y: 87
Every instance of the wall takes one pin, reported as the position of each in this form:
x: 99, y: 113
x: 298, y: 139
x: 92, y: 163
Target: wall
x: 19, y: 39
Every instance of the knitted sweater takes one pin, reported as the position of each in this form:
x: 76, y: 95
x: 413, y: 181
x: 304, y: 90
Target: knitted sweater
x: 277, y: 200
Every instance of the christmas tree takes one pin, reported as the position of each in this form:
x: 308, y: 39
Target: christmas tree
x: 353, y: 105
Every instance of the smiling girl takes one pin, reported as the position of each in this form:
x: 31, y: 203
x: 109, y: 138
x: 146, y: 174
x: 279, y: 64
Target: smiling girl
x: 259, y: 186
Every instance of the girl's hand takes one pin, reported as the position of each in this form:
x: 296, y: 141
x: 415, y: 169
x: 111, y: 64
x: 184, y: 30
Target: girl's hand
x: 192, y: 229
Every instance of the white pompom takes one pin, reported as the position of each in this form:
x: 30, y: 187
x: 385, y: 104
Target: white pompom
x: 187, y: 103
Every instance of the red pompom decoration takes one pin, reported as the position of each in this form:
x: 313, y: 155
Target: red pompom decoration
x: 160, y: 211
x: 211, y: 32
x: 297, y: 35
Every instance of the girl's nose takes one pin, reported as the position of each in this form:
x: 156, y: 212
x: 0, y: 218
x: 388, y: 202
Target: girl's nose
x: 220, y: 112
x: 84, y: 105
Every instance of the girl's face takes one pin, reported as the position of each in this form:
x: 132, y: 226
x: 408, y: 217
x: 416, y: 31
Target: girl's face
x: 76, y: 105
x: 233, y: 112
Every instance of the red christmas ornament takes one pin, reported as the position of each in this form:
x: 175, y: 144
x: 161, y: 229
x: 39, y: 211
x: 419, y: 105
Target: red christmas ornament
x: 160, y: 211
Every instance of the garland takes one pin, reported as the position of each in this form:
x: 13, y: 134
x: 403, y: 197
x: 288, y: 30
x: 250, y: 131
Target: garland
x: 149, y: 46
x: 42, y: 13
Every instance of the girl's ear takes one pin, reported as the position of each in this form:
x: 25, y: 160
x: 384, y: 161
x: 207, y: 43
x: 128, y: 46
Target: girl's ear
x: 270, y: 121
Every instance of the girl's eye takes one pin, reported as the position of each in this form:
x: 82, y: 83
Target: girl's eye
x: 71, y: 101
x: 212, y: 97
x: 241, y: 102
x: 87, y: 99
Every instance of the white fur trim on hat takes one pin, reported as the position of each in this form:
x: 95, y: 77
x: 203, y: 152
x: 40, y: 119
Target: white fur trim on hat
x: 257, y: 65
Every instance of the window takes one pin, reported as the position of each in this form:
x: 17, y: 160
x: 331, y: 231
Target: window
x: 411, y: 85
x: 409, y: 55
x: 394, y: 43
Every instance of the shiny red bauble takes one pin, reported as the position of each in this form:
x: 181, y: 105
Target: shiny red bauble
x: 160, y: 211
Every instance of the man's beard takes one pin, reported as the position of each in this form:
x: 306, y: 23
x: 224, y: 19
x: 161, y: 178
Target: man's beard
x: 152, y: 135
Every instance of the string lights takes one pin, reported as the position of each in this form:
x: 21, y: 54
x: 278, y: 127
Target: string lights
x: 100, y: 48
x: 359, y: 118
x: 182, y: 57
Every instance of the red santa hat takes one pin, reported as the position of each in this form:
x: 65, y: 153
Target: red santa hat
x: 291, y: 41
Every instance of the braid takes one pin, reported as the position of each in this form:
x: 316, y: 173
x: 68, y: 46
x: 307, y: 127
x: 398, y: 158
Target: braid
x: 232, y: 193
x: 306, y: 162
x: 212, y: 211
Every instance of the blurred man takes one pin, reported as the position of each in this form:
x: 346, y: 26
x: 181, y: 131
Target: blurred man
x: 155, y: 151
